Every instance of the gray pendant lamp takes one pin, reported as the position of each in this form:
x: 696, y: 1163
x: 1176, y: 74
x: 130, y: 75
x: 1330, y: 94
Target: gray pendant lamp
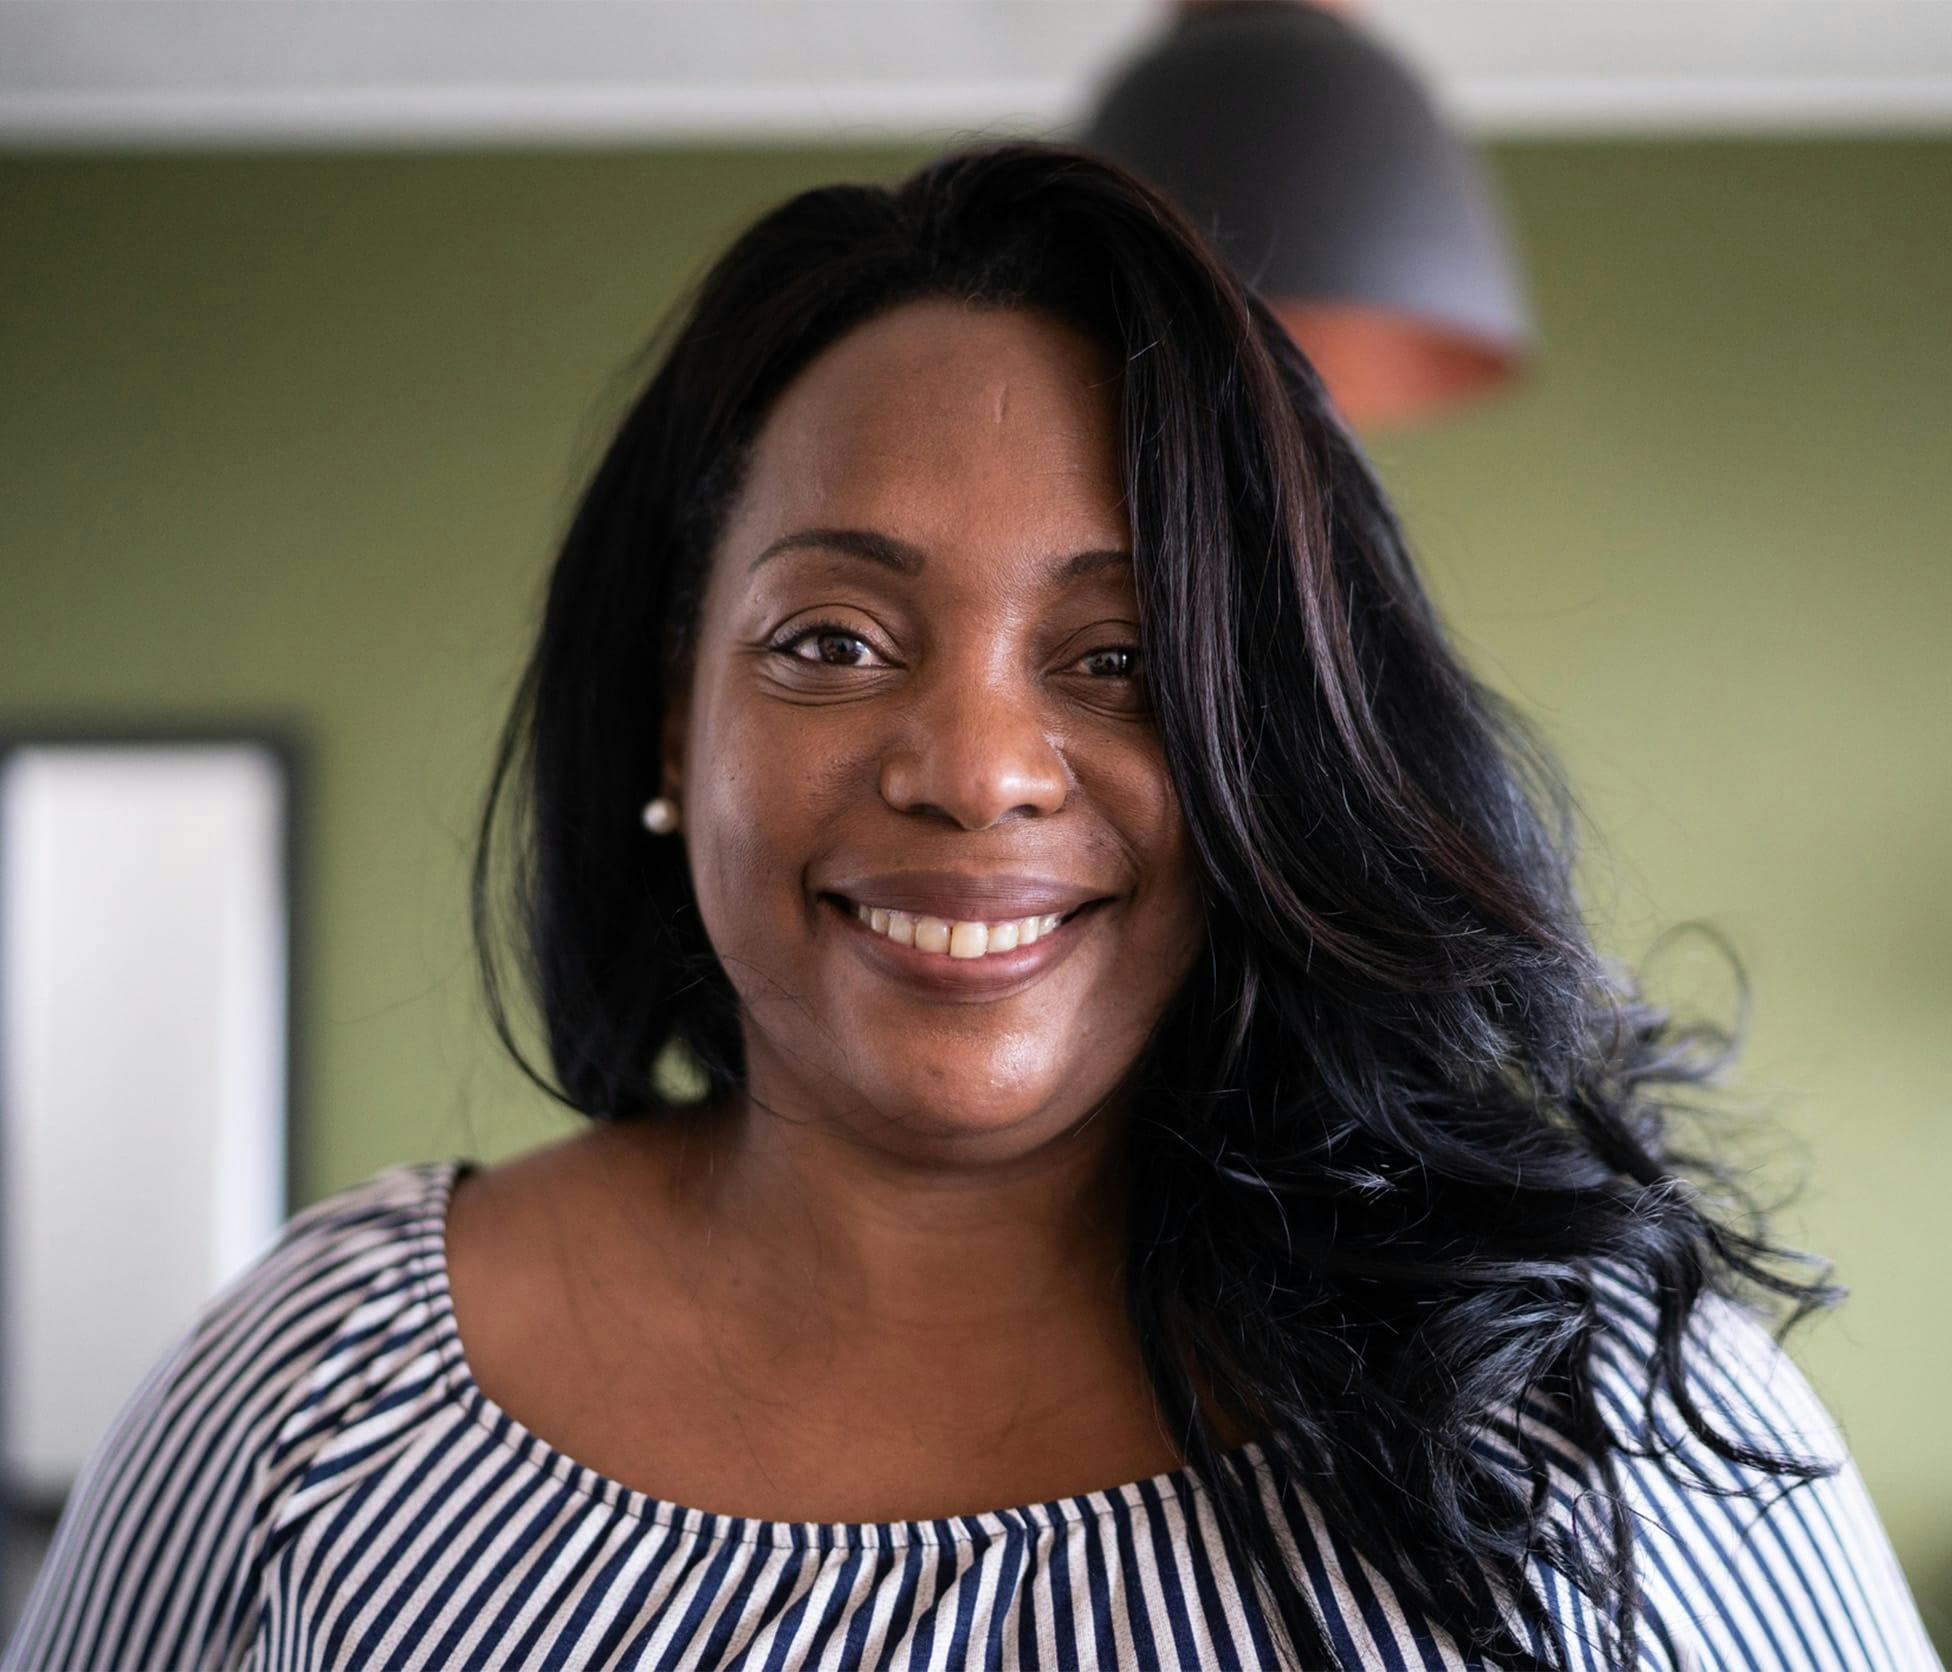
x: 1318, y: 165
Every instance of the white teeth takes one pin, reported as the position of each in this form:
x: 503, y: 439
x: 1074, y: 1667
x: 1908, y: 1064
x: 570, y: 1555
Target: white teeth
x: 957, y: 938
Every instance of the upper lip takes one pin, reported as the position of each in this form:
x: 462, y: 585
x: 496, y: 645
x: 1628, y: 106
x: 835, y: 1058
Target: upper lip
x: 965, y: 896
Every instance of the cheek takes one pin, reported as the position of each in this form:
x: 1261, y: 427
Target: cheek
x: 756, y: 803
x: 1140, y: 802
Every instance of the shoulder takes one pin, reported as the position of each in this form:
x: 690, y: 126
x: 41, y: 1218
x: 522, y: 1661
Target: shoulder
x: 1734, y: 1372
x: 315, y: 1312
x: 1739, y: 1562
x: 156, y: 1555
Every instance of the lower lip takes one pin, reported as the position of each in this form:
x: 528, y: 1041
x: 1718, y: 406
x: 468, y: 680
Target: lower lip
x: 995, y: 975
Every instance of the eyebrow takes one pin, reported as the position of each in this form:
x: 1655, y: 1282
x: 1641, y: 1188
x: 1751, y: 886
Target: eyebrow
x: 907, y: 559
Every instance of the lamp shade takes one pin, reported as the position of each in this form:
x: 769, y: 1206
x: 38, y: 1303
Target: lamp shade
x: 1317, y: 164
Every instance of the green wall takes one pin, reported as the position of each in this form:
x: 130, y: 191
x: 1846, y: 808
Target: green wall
x: 290, y: 437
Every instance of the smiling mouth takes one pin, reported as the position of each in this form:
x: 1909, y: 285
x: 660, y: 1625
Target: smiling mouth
x: 958, y: 939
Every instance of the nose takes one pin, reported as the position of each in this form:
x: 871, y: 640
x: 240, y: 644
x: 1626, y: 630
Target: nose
x: 974, y: 746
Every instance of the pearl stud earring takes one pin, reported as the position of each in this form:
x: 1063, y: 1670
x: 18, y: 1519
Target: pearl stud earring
x: 661, y: 816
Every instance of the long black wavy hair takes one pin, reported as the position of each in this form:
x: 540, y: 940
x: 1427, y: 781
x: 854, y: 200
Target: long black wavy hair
x: 1402, y: 1108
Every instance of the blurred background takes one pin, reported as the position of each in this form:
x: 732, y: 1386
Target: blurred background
x: 314, y: 316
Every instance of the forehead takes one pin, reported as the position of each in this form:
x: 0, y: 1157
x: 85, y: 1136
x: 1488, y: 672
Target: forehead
x: 952, y: 427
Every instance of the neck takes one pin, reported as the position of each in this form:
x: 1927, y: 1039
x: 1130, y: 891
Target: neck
x: 806, y: 1219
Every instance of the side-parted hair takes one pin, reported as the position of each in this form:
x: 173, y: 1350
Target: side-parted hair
x: 1402, y: 1109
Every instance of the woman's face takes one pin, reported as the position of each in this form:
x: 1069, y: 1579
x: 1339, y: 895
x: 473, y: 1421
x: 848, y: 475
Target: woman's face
x: 917, y: 688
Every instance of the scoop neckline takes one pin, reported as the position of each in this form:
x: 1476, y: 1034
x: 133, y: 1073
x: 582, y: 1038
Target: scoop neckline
x: 980, y: 1527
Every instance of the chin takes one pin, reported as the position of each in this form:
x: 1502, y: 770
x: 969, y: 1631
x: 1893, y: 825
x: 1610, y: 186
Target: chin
x: 999, y: 1126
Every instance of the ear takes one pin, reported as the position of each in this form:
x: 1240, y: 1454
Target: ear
x: 671, y: 738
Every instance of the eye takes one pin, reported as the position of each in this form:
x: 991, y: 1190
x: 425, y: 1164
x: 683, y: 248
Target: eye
x: 831, y: 631
x: 1124, y: 656
x: 1114, y: 679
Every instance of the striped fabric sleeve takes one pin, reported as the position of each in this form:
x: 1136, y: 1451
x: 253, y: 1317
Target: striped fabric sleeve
x: 155, y: 1558
x: 1783, y: 1573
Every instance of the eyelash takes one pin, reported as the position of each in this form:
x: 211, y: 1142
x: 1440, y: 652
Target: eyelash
x: 814, y: 629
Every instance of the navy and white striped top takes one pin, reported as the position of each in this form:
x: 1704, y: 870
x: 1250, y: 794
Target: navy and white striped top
x: 311, y: 1477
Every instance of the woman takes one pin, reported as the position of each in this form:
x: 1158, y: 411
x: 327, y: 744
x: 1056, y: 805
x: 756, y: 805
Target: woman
x: 1147, y: 1070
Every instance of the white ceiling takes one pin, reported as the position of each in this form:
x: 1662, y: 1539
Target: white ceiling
x: 464, y: 72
